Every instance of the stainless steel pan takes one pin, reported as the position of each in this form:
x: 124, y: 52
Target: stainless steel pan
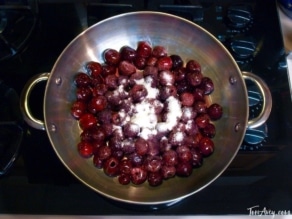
x: 180, y: 37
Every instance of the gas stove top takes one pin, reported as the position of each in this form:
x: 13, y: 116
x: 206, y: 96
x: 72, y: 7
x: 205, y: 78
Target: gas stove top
x: 250, y: 31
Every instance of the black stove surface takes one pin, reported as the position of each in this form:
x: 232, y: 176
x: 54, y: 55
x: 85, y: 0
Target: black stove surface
x: 261, y: 172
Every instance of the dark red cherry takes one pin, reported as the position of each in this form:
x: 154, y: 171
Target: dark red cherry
x: 184, y: 169
x: 83, y: 93
x: 111, y: 82
x: 126, y: 68
x: 97, y: 162
x: 184, y: 154
x: 124, y: 179
x: 108, y: 70
x: 111, y: 57
x: 144, y: 49
x: 168, y: 172
x: 200, y: 106
x: 94, y: 69
x: 202, y: 120
x: 87, y: 120
x: 138, y: 175
x: 177, y: 61
x: 138, y: 92
x: 97, y: 104
x: 215, y: 111
x: 153, y: 163
x: 180, y: 74
x: 198, y: 94
x: 155, y: 178
x: 193, y: 66
x: 187, y: 98
x: 151, y: 61
x: 209, y: 130
x: 98, y: 134
x: 111, y: 166
x: 164, y: 63
x: 207, y: 85
x: 104, y: 152
x: 141, y: 146
x: 159, y: 51
x: 128, y: 53
x: 99, y: 89
x: 82, y: 80
x: 194, y: 78
x: 140, y: 62
x: 125, y: 166
x: 78, y: 108
x: 206, y: 146
x: 170, y: 158
x: 197, y: 157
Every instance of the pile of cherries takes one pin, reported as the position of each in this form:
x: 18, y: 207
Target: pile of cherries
x: 106, y: 95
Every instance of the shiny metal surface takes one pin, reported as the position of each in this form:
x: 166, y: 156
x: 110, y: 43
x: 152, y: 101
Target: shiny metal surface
x: 180, y: 37
x: 24, y: 101
x: 267, y: 100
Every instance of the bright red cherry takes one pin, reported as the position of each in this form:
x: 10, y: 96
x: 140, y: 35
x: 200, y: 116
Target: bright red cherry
x: 85, y: 149
x: 97, y: 104
x: 87, y: 121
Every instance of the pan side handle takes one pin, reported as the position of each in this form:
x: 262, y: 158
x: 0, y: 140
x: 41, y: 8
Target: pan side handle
x: 24, y: 101
x: 267, y: 100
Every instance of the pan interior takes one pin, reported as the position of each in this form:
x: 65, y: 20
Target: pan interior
x: 180, y: 37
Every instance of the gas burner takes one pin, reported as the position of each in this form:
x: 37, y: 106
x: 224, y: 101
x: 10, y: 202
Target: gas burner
x: 11, y: 130
x: 254, y: 137
x: 239, y: 17
x: 17, y: 23
x: 243, y: 48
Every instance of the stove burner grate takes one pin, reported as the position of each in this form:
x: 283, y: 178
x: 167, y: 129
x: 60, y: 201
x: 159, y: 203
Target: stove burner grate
x: 17, y: 24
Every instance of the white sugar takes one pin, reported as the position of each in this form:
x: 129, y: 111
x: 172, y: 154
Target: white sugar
x: 174, y: 112
x: 116, y: 93
x: 187, y: 112
x: 147, y: 132
x: 189, y: 124
x: 166, y: 76
x: 121, y: 88
x: 134, y: 127
x: 144, y: 112
x: 144, y: 115
x: 162, y: 127
x: 178, y: 136
x: 122, y: 114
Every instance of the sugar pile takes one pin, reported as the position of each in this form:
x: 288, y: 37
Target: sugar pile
x: 144, y: 112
